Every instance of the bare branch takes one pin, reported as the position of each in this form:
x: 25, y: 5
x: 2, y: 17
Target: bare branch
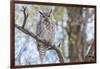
x: 25, y: 16
x: 44, y: 42
x: 61, y: 59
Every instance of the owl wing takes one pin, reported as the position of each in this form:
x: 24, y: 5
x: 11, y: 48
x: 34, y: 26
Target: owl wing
x: 38, y: 29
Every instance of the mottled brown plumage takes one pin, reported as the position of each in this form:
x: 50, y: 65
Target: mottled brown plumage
x: 45, y: 32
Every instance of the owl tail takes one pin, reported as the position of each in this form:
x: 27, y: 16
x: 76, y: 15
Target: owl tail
x: 42, y: 53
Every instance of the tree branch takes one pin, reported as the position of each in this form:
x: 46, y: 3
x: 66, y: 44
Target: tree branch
x: 61, y: 59
x: 25, y: 16
x: 45, y: 43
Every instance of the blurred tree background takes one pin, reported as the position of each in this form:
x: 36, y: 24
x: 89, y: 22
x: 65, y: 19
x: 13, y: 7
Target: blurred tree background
x: 74, y: 34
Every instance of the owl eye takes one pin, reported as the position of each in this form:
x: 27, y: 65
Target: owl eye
x: 48, y: 15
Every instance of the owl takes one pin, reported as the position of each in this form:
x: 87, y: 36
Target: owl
x: 45, y: 32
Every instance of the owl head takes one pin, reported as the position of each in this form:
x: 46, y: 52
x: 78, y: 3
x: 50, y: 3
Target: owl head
x: 46, y: 17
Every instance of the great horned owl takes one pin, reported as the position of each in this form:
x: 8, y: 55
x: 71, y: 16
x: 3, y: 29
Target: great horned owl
x: 45, y: 32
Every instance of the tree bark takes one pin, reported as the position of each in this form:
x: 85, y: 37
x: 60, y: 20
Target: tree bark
x: 74, y: 24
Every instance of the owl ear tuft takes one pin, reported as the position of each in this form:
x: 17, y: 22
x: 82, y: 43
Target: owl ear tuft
x: 49, y: 13
x: 42, y: 13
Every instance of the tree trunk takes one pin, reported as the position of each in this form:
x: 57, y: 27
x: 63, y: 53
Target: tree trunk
x: 75, y: 36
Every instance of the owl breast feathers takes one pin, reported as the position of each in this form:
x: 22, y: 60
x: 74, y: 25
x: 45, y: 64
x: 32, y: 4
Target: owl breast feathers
x: 46, y: 28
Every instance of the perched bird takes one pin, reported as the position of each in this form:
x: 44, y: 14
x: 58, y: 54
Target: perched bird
x: 45, y: 32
